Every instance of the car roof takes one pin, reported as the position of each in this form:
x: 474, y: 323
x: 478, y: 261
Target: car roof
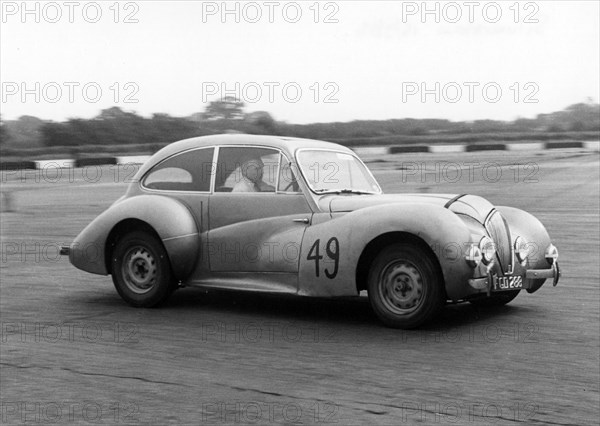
x: 287, y: 144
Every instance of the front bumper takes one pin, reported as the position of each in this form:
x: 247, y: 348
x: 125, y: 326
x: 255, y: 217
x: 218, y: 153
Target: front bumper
x: 528, y: 283
x: 553, y: 272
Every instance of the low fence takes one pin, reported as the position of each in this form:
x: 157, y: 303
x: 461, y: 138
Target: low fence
x: 360, y: 150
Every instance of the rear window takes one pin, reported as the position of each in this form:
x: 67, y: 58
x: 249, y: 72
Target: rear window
x: 188, y: 171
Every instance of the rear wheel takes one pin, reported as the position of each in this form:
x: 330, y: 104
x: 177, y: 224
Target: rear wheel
x: 499, y: 299
x: 141, y: 271
x: 405, y: 286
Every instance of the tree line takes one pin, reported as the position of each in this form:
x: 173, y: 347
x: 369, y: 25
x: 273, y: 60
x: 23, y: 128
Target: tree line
x: 114, y: 126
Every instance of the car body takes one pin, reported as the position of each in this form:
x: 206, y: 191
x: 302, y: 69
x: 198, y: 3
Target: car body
x: 306, y: 217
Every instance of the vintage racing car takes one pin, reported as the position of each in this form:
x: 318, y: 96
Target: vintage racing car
x: 306, y: 217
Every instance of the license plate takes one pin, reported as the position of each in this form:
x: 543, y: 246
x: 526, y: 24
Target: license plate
x: 508, y: 283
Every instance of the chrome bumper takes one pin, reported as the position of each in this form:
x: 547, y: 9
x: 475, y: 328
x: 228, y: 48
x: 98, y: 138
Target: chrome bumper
x: 485, y: 283
x: 553, y: 272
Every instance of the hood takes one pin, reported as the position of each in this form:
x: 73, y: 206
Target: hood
x: 472, y: 205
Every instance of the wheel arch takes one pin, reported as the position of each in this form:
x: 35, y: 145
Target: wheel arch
x: 119, y: 231
x: 166, y: 218
x: 376, y: 245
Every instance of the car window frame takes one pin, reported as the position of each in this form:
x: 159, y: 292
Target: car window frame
x: 264, y: 147
x: 306, y: 181
x: 212, y: 175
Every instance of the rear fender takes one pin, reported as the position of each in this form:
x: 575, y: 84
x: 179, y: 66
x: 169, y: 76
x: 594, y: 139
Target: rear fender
x: 170, y: 219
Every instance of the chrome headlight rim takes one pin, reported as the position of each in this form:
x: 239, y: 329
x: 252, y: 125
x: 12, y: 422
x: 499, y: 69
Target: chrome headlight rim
x: 488, y: 249
x: 474, y: 256
x: 551, y: 254
x: 521, y: 249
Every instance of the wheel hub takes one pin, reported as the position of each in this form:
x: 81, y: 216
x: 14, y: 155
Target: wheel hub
x: 401, y: 286
x: 139, y: 270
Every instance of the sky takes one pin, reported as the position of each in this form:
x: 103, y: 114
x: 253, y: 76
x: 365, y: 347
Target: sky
x: 301, y: 61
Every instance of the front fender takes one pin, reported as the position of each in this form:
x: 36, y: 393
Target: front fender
x: 172, y: 221
x: 529, y: 227
x: 438, y: 227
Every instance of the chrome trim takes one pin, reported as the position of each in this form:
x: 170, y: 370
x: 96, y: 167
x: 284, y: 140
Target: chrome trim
x: 553, y: 272
x: 277, y: 191
x: 216, y: 158
x: 511, y: 258
x: 547, y: 254
x: 480, y: 283
x: 474, y: 256
x: 278, y: 173
x: 481, y: 247
x: 558, y: 274
x: 163, y: 191
x: 516, y: 244
x: 181, y: 236
x: 337, y: 151
x: 213, y: 178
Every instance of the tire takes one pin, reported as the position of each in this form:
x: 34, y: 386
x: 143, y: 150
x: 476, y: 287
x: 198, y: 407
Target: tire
x: 500, y: 299
x: 141, y: 271
x: 405, y: 286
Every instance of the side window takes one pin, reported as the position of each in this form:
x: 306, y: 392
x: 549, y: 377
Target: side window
x: 189, y: 171
x: 287, y: 177
x: 242, y: 169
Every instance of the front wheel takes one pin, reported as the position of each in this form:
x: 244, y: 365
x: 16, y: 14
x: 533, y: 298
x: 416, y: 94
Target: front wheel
x: 405, y: 286
x: 141, y: 271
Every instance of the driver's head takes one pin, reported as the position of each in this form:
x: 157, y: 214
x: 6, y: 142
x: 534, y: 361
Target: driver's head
x: 253, y: 170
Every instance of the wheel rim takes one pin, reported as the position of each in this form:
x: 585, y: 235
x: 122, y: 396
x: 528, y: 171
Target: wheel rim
x: 139, y: 270
x: 401, y: 287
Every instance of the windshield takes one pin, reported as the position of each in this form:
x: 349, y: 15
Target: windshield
x: 333, y: 171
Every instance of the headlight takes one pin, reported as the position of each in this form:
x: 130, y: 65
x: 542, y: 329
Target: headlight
x: 488, y: 249
x: 473, y: 256
x: 521, y: 249
x: 551, y: 254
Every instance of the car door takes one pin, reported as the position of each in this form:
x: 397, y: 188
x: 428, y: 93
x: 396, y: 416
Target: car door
x: 187, y: 176
x: 256, y: 228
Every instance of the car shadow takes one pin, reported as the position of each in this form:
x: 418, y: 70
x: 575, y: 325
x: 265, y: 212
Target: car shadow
x: 352, y: 311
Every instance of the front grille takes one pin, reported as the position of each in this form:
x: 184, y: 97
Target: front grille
x: 499, y: 232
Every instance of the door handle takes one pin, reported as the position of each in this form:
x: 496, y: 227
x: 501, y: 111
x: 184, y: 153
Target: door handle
x: 304, y: 220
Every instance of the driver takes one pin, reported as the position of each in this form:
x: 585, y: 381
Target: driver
x: 252, y: 174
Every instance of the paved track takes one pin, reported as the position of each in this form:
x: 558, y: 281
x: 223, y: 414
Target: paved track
x: 73, y: 352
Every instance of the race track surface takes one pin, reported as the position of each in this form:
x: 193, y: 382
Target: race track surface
x: 73, y: 352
